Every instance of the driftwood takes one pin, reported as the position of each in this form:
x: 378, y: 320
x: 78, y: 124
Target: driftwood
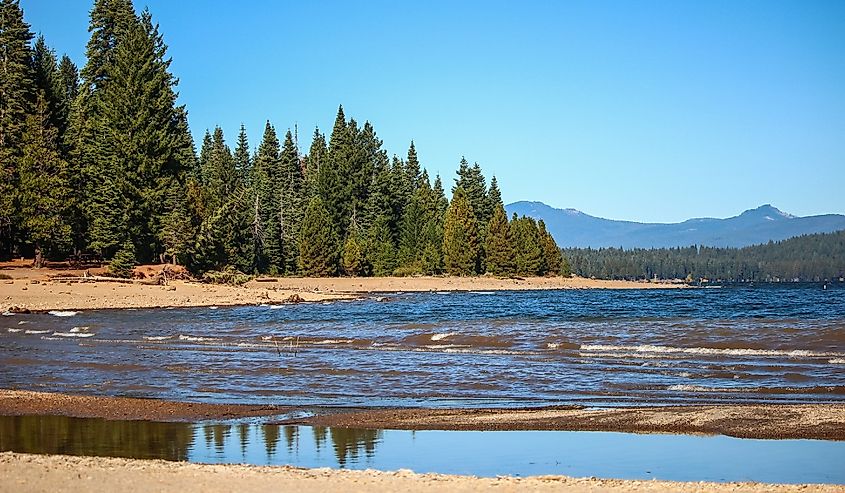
x: 92, y: 279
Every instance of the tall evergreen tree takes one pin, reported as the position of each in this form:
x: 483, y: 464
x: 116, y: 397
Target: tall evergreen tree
x: 471, y: 179
x: 318, y: 247
x: 316, y: 156
x: 494, y: 197
x: 242, y: 159
x: 47, y: 80
x: 552, y: 255
x: 290, y: 192
x: 140, y: 142
x: 43, y: 190
x: 265, y: 220
x: 528, y: 253
x: 354, y: 260
x: 16, y: 97
x: 332, y: 185
x: 381, y: 250
x: 418, y: 219
x: 499, y: 244
x: 460, y: 236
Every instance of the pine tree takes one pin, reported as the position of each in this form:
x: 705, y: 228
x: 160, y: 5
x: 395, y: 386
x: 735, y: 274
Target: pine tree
x: 140, y: 141
x: 354, y: 261
x: 414, y: 228
x: 110, y: 21
x: 17, y: 91
x: 528, y: 254
x: 553, y: 257
x: 43, y: 190
x: 332, y: 185
x: 499, y: 244
x: 47, y: 82
x: 381, y: 251
x: 494, y: 197
x: 241, y: 157
x: 313, y: 161
x: 460, y: 236
x: 318, y: 243
x: 290, y: 190
x: 472, y: 181
x: 124, y: 260
x: 412, y: 169
x: 265, y: 212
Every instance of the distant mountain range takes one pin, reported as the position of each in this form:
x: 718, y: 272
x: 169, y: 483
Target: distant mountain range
x: 573, y: 228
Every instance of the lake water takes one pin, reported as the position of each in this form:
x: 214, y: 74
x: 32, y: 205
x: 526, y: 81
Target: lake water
x: 517, y: 453
x: 780, y: 343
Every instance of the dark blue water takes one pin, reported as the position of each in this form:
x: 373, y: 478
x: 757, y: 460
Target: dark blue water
x: 778, y: 343
x: 517, y: 453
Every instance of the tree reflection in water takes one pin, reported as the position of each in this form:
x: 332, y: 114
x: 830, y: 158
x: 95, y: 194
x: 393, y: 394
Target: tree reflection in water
x: 99, y: 437
x: 349, y: 442
x: 176, y: 441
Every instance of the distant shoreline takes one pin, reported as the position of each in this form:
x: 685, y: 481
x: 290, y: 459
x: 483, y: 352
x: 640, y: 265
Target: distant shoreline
x: 38, y: 290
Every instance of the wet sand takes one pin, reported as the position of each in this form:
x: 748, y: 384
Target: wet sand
x: 782, y: 421
x: 41, y: 289
x: 765, y: 421
x: 26, y: 403
x: 57, y: 473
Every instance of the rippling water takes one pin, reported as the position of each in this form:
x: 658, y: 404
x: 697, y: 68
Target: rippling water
x: 761, y: 344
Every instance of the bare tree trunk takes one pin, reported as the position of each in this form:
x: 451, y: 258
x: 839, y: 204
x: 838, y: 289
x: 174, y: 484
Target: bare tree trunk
x: 39, y: 257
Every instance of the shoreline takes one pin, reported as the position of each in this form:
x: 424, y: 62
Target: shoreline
x: 27, y: 472
x: 41, y: 290
x: 758, y: 421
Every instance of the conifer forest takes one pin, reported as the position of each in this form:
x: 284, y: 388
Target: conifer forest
x: 101, y: 160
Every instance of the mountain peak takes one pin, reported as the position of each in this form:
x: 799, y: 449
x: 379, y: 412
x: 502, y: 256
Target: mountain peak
x: 572, y: 228
x: 767, y: 211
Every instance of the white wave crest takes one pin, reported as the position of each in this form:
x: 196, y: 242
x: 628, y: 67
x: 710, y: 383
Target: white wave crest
x: 80, y: 329
x: 13, y: 330
x: 481, y: 292
x: 334, y: 341
x: 648, y: 348
x: 62, y: 313
x: 440, y: 337
x: 158, y: 338
x: 837, y: 361
x: 73, y: 334
x: 196, y: 339
x: 23, y: 322
x: 36, y: 331
x: 696, y: 388
x: 8, y: 314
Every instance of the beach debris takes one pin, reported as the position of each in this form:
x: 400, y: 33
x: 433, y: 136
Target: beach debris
x: 18, y: 310
x: 294, y: 298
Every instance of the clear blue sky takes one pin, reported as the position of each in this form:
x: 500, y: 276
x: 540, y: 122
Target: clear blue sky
x: 648, y: 111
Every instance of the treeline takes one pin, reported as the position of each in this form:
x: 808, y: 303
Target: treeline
x: 102, y: 160
x: 815, y: 257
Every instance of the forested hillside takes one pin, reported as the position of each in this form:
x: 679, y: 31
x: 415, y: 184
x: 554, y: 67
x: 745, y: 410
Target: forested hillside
x: 101, y: 160
x: 806, y: 258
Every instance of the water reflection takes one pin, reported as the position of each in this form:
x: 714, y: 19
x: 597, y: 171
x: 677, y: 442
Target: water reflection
x: 71, y: 436
x: 615, y: 455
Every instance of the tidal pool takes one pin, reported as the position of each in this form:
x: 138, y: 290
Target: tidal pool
x: 491, y: 453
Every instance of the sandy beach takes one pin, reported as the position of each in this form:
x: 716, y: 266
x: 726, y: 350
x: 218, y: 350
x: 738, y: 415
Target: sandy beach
x: 61, y: 289
x: 57, y: 473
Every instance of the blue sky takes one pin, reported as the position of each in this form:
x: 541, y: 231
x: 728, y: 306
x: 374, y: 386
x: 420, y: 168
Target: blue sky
x: 647, y: 111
